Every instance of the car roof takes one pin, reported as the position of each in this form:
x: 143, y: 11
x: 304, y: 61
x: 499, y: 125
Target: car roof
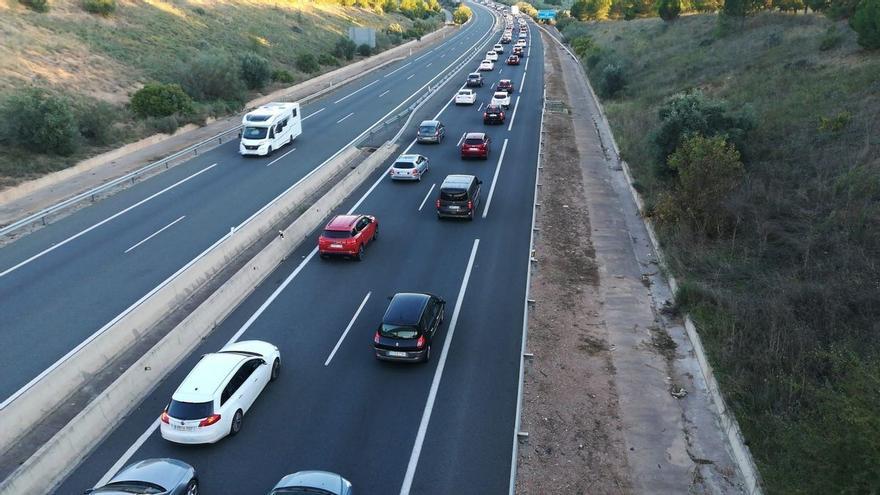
x: 405, y: 308
x: 474, y: 135
x: 493, y: 106
x: 208, y: 375
x: 342, y: 222
x: 429, y: 122
x: 504, y: 81
x: 475, y: 74
x: 457, y: 180
x: 322, y: 480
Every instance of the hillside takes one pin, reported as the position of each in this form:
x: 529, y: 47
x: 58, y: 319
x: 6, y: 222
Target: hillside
x: 96, y: 62
x: 780, y: 273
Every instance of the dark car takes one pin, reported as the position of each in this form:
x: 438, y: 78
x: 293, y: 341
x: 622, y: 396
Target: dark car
x: 505, y: 85
x: 494, y: 114
x: 475, y: 79
x: 312, y: 482
x: 154, y: 476
x: 459, y: 196
x: 513, y: 60
x: 518, y: 51
x: 431, y: 131
x: 408, y: 327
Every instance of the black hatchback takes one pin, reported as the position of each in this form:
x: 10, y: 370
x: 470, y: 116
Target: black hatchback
x: 408, y: 327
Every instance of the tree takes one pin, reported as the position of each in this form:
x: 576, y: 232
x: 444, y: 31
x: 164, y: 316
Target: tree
x: 208, y: 77
x: 787, y: 5
x: 364, y: 50
x: 669, y: 9
x: 597, y: 9
x: 583, y: 46
x: 307, y: 62
x: 579, y: 10
x: 611, y: 80
x: 160, y: 100
x: 461, y: 14
x: 345, y: 48
x: 40, y: 122
x: 255, y: 70
x: 866, y: 22
x: 742, y: 8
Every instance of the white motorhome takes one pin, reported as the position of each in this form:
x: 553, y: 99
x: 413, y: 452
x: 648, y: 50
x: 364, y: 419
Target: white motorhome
x: 269, y: 127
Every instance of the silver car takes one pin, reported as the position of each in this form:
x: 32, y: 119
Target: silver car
x: 409, y: 167
x: 431, y: 131
x: 305, y: 482
x: 154, y: 476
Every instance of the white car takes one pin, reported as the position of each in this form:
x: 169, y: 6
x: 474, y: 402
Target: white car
x: 522, y: 35
x: 487, y: 65
x: 521, y: 43
x: 491, y: 55
x: 498, y: 48
x: 409, y: 167
x: 465, y: 97
x: 218, y: 391
x: 501, y: 98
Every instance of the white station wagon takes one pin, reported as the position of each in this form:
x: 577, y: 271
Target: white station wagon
x: 492, y: 55
x: 218, y: 391
x: 487, y: 65
x: 465, y: 97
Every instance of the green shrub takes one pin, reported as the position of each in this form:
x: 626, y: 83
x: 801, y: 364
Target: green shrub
x: 307, y: 62
x: 344, y: 48
x: 100, y: 7
x: 165, y: 125
x: 282, y: 76
x: 364, y: 50
x: 208, y: 77
x: 866, y: 22
x: 611, y: 80
x: 36, y: 5
x: 831, y: 39
x: 96, y: 122
x: 327, y: 59
x: 255, y: 71
x: 40, y: 122
x: 669, y: 10
x: 583, y: 46
x: 160, y: 100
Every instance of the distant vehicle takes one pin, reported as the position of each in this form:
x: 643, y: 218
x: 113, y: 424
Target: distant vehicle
x: 475, y: 144
x: 514, y: 10
x: 506, y: 39
x: 505, y: 85
x: 498, y: 48
x: 500, y: 98
x: 215, y: 395
x: 474, y: 79
x: 465, y: 97
x: 409, y: 167
x: 491, y: 55
x: 152, y: 476
x: 513, y: 60
x: 408, y: 327
x: 518, y: 51
x: 312, y: 482
x: 459, y: 196
x: 493, y: 114
x: 348, y: 235
x: 522, y: 35
x: 487, y: 65
x: 430, y: 131
x: 269, y: 127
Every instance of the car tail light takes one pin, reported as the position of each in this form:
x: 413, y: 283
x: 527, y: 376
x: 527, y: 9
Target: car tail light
x: 470, y: 205
x: 438, y: 203
x: 415, y: 172
x: 165, y: 418
x: 421, y: 342
x: 209, y: 420
x: 376, y: 337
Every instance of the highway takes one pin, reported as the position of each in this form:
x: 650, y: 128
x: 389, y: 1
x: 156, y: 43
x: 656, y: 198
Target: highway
x: 67, y: 280
x: 446, y: 427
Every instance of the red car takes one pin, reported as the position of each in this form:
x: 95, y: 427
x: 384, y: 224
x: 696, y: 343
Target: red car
x: 505, y: 85
x: 348, y: 235
x: 513, y: 60
x: 475, y: 144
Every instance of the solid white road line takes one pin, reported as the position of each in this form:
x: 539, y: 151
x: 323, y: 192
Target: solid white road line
x: 128, y: 453
x: 480, y: 107
x: 438, y: 375
x: 280, y: 157
x: 313, y: 114
x: 384, y: 93
x: 343, y: 118
x: 426, y: 197
x: 355, y: 92
x: 154, y: 234
x: 397, y: 69
x: 102, y: 222
x: 410, y: 76
x: 429, y: 64
x: 500, y: 70
x: 461, y: 138
x: 345, y: 332
x: 513, y: 115
x: 495, y: 179
x: 423, y: 56
x: 522, y: 81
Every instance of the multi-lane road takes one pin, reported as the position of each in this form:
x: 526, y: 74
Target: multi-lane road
x: 66, y: 281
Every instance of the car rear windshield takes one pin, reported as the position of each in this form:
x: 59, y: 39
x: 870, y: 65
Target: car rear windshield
x: 474, y: 76
x: 398, y: 332
x: 190, y: 410
x: 427, y: 129
x: 254, y: 132
x: 404, y: 165
x: 137, y: 487
x: 337, y: 234
x: 453, y: 194
x: 473, y: 141
x: 300, y: 490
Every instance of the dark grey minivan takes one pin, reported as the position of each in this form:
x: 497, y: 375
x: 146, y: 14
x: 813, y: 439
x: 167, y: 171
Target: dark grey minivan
x: 408, y: 327
x: 431, y: 131
x: 459, y: 196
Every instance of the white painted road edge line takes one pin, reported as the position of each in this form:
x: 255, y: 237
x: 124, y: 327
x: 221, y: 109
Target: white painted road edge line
x: 479, y: 107
x: 513, y: 115
x: 154, y: 234
x: 494, y: 179
x: 343, y: 118
x: 397, y: 69
x: 128, y: 453
x: 345, y: 332
x: 410, y: 76
x: 384, y: 93
x: 102, y: 222
x: 355, y: 92
x: 427, y: 196
x: 438, y: 375
x: 313, y: 114
x: 424, y: 55
x: 280, y: 157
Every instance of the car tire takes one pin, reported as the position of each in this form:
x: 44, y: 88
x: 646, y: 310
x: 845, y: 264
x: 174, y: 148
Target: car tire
x: 192, y: 488
x: 375, y: 234
x: 269, y: 151
x: 276, y: 370
x: 360, y: 254
x: 471, y: 216
x: 235, y: 427
x: 427, y: 354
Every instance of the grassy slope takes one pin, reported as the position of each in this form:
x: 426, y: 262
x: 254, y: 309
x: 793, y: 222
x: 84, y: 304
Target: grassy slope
x: 85, y: 55
x: 789, y: 306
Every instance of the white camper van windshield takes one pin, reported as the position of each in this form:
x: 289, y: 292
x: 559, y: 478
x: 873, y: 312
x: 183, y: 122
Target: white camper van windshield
x: 254, y: 132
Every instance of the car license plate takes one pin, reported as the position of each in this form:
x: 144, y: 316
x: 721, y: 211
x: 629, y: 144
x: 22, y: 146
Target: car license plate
x: 453, y: 207
x: 183, y: 428
x: 334, y: 245
x: 396, y: 353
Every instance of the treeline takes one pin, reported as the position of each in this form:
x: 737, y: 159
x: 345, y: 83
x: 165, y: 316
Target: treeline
x: 414, y: 9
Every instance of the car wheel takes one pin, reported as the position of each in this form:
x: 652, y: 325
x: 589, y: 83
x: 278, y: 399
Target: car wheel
x: 324, y: 256
x: 375, y: 234
x: 269, y: 151
x: 236, y: 423
x: 427, y: 354
x: 471, y: 216
x: 276, y: 370
x: 192, y: 488
x: 360, y: 254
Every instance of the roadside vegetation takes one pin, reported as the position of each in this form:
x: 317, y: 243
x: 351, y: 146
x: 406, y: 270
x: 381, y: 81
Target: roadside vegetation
x: 79, y: 77
x: 753, y: 136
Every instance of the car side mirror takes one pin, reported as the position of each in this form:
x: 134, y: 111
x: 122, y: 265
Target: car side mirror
x: 479, y: 181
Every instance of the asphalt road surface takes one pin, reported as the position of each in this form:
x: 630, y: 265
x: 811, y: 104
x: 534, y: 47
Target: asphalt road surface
x: 445, y: 427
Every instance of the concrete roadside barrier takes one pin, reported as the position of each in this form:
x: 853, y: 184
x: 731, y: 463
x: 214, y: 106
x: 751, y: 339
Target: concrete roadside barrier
x: 67, y: 448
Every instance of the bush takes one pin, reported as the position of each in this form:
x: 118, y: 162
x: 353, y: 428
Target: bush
x: 461, y: 14
x: 164, y: 125
x: 36, y: 5
x: 597, y: 9
x: 669, y: 9
x: 866, y: 22
x: 255, y: 71
x: 327, y: 59
x: 307, y: 62
x: 611, y: 80
x: 100, y: 7
x: 364, y: 50
x: 830, y: 40
x: 282, y: 76
x: 96, y: 122
x: 583, y: 46
x: 207, y: 77
x: 344, y: 48
x: 160, y: 100
x: 40, y: 122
